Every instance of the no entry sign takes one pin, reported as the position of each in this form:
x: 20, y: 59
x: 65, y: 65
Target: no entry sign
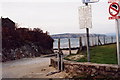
x: 114, y: 10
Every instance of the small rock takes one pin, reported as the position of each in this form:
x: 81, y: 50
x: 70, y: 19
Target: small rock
x: 50, y: 65
x: 43, y: 69
x: 50, y: 73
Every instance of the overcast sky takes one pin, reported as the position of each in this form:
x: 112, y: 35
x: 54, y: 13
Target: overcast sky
x: 57, y: 16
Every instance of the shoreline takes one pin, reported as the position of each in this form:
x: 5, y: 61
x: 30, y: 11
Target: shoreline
x: 74, y: 48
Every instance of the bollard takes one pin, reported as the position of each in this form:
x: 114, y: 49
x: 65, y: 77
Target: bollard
x: 60, y: 61
x: 61, y: 57
x: 58, y: 58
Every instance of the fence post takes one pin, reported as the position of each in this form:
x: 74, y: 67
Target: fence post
x: 59, y: 45
x: 80, y: 43
x: 69, y: 46
x: 58, y: 55
x: 104, y: 40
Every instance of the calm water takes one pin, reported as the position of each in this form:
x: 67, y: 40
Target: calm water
x: 75, y: 41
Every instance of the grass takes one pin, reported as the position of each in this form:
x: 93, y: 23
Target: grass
x: 105, y: 54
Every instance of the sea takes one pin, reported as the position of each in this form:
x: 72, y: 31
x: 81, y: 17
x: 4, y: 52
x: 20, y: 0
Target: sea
x: 75, y: 41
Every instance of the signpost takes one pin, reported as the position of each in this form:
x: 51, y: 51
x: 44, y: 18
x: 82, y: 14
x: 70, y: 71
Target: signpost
x: 85, y: 21
x: 114, y: 11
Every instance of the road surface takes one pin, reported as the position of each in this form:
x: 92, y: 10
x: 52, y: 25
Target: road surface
x: 29, y: 68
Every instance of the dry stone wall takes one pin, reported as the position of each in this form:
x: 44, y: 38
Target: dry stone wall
x: 76, y: 69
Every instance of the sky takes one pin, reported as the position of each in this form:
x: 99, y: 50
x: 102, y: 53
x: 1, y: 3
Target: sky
x: 57, y: 16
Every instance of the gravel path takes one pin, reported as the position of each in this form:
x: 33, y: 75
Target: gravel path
x: 29, y: 68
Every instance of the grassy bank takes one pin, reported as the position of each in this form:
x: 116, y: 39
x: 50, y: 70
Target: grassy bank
x: 105, y: 54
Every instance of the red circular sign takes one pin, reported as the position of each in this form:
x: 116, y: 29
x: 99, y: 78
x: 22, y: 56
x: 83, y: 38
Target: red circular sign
x: 114, y: 9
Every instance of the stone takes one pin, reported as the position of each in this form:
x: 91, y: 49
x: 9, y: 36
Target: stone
x: 76, y: 69
x: 107, y: 69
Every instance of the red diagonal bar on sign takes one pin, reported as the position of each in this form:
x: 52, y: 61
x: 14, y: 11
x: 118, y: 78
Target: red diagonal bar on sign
x: 114, y: 9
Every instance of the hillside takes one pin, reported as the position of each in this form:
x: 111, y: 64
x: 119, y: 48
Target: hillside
x: 73, y: 35
x: 23, y: 42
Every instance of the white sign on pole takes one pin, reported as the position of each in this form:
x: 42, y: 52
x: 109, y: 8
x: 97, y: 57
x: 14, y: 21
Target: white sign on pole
x: 114, y: 11
x: 90, y: 1
x: 85, y: 17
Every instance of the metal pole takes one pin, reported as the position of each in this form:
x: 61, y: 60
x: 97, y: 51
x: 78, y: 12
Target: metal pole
x: 118, y: 40
x: 87, y: 34
x: 61, y: 62
x: 88, y: 50
x: 58, y: 58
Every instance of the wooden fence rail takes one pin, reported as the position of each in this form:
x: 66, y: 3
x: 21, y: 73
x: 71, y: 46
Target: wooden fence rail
x: 94, y: 41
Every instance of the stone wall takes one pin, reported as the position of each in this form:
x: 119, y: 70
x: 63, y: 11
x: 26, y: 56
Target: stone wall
x: 76, y: 69
x: 53, y: 62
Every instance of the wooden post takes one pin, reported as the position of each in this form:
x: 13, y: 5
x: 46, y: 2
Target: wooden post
x: 104, y: 40
x: 80, y: 43
x: 69, y: 46
x: 58, y: 55
x: 59, y: 45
